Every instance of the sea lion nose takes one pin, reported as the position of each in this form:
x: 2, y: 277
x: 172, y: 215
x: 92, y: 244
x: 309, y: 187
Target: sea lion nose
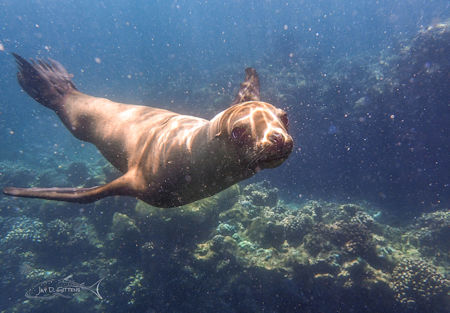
x: 277, y: 139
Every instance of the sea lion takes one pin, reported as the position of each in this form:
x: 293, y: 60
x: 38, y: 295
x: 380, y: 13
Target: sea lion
x: 167, y: 159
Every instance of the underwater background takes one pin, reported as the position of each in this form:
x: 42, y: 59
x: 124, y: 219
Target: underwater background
x: 356, y: 220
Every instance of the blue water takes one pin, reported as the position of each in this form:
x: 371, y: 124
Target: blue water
x: 352, y: 142
x: 145, y: 49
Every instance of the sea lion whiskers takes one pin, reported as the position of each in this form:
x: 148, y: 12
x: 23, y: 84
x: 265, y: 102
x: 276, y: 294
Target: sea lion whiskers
x: 258, y: 156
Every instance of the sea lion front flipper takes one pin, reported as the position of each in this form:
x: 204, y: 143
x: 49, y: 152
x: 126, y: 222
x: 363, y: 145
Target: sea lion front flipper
x: 249, y: 90
x: 80, y: 195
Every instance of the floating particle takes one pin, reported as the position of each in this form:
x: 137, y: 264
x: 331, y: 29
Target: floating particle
x: 332, y: 129
x: 285, y: 27
x: 2, y: 47
x: 97, y: 60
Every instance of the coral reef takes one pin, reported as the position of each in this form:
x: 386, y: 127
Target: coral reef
x: 77, y: 173
x: 21, y: 232
x: 304, y: 257
x: 260, y: 194
x: 417, y: 285
x: 15, y: 174
x: 430, y: 233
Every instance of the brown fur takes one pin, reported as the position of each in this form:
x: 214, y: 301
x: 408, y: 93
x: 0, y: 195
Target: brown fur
x: 167, y: 159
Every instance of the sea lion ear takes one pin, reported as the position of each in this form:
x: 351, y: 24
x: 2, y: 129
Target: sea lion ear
x: 249, y: 90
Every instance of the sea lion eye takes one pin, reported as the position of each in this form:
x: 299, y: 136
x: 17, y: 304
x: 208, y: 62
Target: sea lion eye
x: 284, y: 119
x: 239, y: 134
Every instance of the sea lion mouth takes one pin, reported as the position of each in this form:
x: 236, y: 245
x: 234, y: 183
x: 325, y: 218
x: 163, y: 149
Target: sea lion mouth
x: 268, y: 162
x: 274, y: 159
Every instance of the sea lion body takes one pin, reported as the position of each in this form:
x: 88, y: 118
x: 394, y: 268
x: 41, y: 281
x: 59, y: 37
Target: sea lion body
x: 167, y: 159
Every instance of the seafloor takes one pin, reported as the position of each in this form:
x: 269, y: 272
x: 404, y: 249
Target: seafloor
x: 246, y: 249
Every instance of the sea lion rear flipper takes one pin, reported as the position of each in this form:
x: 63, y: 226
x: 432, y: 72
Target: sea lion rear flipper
x: 80, y: 195
x: 45, y: 82
x: 249, y: 90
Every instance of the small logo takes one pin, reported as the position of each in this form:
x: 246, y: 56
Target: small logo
x: 62, y: 288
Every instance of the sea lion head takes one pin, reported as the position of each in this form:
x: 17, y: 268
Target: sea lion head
x: 258, y: 132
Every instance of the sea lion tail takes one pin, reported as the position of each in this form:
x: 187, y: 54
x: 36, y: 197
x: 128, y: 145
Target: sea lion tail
x: 45, y: 82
